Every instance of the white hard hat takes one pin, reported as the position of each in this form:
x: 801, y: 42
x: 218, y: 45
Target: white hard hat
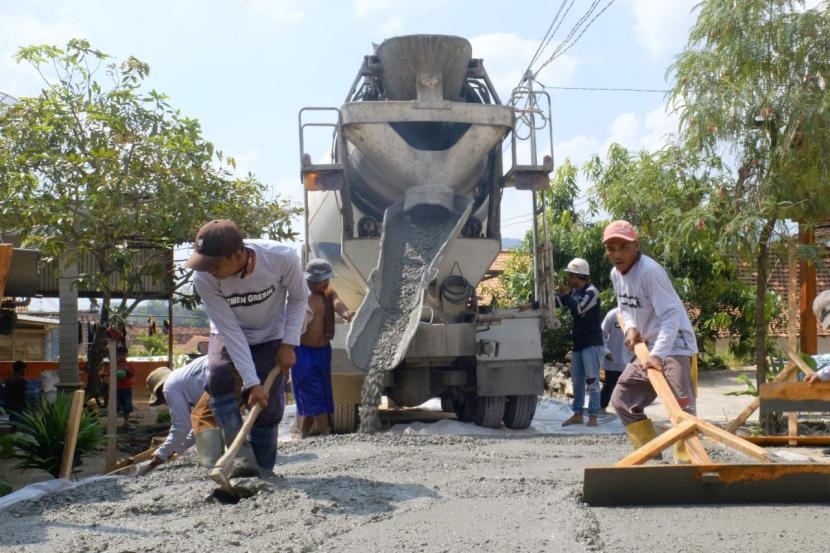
x: 578, y: 266
x: 821, y: 307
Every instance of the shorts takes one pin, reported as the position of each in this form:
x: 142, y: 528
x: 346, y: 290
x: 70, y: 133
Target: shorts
x: 312, y: 381
x: 124, y: 401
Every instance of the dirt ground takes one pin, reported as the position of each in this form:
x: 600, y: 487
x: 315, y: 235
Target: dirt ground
x: 402, y: 493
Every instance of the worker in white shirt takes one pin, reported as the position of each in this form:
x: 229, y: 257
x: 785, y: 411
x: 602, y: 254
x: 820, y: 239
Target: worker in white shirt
x: 255, y: 296
x: 821, y: 307
x: 181, y: 391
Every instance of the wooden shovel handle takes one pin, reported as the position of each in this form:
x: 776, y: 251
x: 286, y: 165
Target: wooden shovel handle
x: 242, y: 435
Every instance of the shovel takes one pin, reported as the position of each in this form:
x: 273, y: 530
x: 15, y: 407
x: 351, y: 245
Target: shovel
x: 219, y: 472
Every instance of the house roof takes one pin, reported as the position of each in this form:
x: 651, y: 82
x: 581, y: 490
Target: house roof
x: 778, y: 283
x: 30, y: 321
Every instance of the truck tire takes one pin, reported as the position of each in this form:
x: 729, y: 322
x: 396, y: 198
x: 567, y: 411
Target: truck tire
x: 519, y: 411
x: 465, y: 408
x: 447, y: 404
x: 345, y: 418
x: 489, y: 411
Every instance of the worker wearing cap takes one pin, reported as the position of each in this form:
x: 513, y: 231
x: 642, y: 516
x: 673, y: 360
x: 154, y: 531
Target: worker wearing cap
x: 582, y: 299
x: 182, y: 390
x: 821, y: 308
x: 616, y: 356
x: 255, y: 297
x: 652, y: 313
x: 311, y: 375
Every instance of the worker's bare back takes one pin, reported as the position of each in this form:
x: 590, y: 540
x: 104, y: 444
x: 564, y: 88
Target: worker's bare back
x: 315, y: 335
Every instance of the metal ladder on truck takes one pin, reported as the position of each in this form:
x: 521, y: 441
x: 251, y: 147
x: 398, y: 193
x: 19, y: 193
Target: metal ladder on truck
x: 533, y: 117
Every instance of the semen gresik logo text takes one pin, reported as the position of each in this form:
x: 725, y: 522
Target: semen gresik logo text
x: 250, y: 298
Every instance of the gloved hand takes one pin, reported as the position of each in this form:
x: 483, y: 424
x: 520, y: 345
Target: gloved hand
x: 120, y: 373
x: 146, y: 466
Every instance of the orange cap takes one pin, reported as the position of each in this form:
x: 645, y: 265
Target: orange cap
x: 619, y: 229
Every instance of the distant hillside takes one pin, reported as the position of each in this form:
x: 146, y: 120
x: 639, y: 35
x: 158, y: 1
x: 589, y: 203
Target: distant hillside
x: 509, y: 243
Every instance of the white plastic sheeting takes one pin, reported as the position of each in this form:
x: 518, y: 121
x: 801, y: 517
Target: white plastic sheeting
x: 39, y: 489
x: 550, y: 413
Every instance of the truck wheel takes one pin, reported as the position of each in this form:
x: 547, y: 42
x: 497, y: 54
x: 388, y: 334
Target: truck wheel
x: 519, y: 411
x: 345, y: 418
x: 447, y: 404
x: 465, y: 409
x: 489, y: 411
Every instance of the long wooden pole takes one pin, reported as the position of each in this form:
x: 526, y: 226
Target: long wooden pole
x: 5, y: 264
x: 809, y: 329
x: 792, y: 326
x: 664, y: 392
x: 677, y: 416
x: 71, y: 437
x: 112, y: 413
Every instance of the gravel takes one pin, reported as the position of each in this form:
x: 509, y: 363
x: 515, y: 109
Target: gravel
x: 384, y: 493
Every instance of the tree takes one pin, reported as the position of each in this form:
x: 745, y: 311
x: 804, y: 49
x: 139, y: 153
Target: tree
x: 570, y: 235
x: 751, y: 89
x: 97, y: 164
x: 665, y: 194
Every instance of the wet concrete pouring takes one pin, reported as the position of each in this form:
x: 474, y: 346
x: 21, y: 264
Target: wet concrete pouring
x: 385, y: 492
x: 410, y: 245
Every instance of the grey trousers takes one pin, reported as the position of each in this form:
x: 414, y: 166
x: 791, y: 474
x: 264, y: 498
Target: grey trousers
x: 633, y: 392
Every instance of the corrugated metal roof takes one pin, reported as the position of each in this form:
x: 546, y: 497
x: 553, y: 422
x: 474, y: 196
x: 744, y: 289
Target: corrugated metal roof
x: 37, y: 320
x: 146, y: 286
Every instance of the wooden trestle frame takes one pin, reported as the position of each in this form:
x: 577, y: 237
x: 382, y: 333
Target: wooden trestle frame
x: 629, y: 482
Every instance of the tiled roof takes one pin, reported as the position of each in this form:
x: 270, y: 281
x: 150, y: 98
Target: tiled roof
x: 778, y: 283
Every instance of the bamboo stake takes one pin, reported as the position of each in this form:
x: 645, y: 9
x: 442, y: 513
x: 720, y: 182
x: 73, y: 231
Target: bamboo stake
x: 112, y: 414
x: 71, y: 437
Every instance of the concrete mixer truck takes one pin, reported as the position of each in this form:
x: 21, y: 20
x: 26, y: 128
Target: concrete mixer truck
x: 407, y: 210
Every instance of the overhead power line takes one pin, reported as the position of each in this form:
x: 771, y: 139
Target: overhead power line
x: 604, y: 89
x: 581, y: 26
x: 549, y: 34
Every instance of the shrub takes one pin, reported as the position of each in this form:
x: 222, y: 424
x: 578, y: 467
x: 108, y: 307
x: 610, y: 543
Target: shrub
x: 711, y: 362
x: 151, y: 345
x: 41, y: 431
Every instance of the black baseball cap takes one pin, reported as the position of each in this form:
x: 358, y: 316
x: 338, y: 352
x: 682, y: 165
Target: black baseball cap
x: 215, y: 240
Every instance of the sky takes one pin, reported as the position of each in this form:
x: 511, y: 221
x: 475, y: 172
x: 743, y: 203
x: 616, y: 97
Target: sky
x: 244, y: 68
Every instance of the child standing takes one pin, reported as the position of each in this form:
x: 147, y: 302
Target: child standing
x: 311, y: 375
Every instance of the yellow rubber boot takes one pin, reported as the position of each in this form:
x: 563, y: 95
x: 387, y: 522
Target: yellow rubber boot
x: 640, y: 433
x: 681, y: 456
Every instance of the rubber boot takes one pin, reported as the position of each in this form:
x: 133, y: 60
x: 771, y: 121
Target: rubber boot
x: 640, y: 433
x: 226, y: 412
x: 681, y: 456
x: 264, y: 444
x: 208, y: 447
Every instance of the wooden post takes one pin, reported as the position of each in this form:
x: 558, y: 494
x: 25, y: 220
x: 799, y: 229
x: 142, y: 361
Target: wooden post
x: 756, y: 402
x: 5, y: 264
x: 171, y: 269
x: 68, y: 372
x: 792, y: 326
x: 112, y: 413
x: 71, y: 437
x: 809, y: 331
